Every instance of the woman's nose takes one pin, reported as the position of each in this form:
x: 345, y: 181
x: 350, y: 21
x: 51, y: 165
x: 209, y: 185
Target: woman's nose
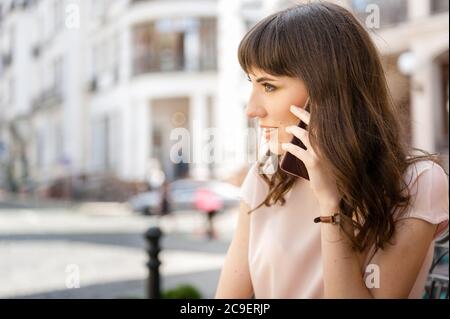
x: 255, y: 111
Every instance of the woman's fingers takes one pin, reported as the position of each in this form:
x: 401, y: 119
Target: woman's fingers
x: 301, y: 113
x: 297, y: 151
x: 301, y: 134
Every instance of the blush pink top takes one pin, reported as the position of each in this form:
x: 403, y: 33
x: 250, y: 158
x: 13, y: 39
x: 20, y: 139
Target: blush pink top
x: 284, y: 252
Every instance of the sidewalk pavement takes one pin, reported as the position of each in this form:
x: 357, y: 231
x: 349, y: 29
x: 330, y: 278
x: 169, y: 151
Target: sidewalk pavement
x: 38, y: 245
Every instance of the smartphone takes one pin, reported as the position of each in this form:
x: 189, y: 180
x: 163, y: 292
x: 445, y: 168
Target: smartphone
x: 289, y: 162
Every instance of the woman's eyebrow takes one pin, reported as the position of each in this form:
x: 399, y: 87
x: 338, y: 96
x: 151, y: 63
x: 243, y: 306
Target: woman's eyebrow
x: 264, y: 79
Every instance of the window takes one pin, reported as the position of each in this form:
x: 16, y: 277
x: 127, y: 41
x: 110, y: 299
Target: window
x: 105, y: 57
x: 182, y: 44
x: 100, y: 143
x: 58, y: 75
x: 106, y: 143
x: 98, y: 10
x: 208, y: 36
x: 391, y: 12
x: 12, y: 40
x: 439, y: 6
x: 114, y: 148
x: 40, y: 148
x: 115, y: 57
x: 58, y: 15
x: 59, y: 143
x: 11, y: 91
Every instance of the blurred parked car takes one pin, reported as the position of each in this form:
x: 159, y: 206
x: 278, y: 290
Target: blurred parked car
x: 182, y: 196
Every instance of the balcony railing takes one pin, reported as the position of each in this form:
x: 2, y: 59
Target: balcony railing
x: 48, y: 98
x: 167, y: 45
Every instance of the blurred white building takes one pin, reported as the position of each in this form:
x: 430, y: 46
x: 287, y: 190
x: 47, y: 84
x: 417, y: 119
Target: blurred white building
x: 97, y: 87
x: 153, y: 68
x: 414, y: 40
x: 43, y: 100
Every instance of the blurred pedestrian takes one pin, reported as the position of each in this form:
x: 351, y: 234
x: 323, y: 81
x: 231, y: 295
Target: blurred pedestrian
x: 210, y: 204
x: 165, y: 199
x: 154, y: 174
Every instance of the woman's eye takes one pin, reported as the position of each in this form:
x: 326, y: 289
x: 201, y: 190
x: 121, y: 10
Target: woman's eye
x: 268, y: 87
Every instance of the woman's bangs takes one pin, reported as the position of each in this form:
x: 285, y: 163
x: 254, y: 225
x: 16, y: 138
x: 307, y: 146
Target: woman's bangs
x: 261, y: 49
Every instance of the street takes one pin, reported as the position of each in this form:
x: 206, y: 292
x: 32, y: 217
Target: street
x: 101, y: 246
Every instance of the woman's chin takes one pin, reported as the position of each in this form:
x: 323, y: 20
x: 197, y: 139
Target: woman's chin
x: 276, y: 148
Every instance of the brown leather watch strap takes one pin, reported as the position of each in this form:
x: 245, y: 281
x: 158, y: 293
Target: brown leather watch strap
x: 333, y: 219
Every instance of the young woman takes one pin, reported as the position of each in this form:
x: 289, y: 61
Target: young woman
x: 389, y: 204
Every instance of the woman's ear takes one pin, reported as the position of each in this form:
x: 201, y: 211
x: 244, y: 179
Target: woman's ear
x: 306, y: 106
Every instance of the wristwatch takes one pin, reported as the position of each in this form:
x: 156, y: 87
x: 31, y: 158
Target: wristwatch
x: 334, y: 219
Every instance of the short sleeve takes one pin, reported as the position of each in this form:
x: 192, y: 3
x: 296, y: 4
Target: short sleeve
x: 253, y: 187
x: 429, y: 195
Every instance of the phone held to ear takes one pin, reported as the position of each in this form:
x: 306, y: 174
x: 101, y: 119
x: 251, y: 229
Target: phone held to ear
x: 289, y: 162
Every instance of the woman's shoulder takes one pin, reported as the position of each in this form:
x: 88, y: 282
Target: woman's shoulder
x: 254, y: 173
x: 428, y: 186
x: 426, y: 168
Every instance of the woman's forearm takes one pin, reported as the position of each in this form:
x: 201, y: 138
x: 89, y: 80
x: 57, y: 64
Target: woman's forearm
x: 341, y: 269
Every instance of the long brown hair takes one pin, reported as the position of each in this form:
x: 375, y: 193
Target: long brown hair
x: 354, y: 128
